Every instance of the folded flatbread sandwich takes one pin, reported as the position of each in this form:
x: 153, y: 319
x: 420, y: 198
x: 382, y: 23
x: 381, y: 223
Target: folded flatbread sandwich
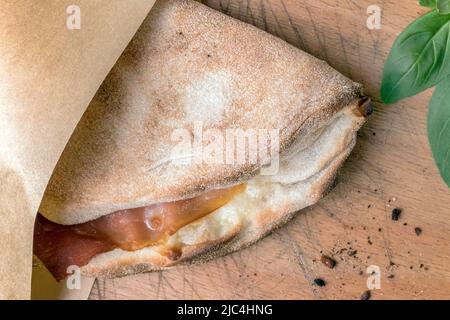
x: 206, y: 135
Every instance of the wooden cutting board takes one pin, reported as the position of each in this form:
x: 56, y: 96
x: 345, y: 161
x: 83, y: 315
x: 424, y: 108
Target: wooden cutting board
x: 391, y: 166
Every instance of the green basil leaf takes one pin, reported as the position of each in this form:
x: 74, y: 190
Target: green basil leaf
x: 428, y: 3
x: 419, y: 58
x: 439, y: 128
x: 443, y: 6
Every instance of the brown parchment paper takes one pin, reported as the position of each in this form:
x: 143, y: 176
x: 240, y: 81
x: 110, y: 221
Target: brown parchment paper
x: 45, y: 287
x: 48, y: 75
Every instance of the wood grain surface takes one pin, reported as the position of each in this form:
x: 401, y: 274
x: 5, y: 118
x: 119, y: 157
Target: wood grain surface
x: 391, y: 166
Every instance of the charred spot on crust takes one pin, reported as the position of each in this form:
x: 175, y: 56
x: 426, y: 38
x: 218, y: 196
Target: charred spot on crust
x: 174, y: 254
x: 365, y: 106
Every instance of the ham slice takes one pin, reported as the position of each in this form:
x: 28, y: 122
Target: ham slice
x: 60, y: 246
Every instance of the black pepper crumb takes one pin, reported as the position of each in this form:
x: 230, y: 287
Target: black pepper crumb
x: 319, y: 282
x: 391, y: 276
x: 421, y: 265
x: 379, y: 229
x: 366, y: 295
x: 368, y: 207
x: 405, y: 224
x: 374, y: 133
x: 418, y: 231
x: 329, y: 262
x: 352, y: 253
x: 396, y: 212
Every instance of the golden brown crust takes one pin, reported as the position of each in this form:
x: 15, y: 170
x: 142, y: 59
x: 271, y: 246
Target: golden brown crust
x: 258, y: 216
x: 236, y: 239
x: 187, y: 63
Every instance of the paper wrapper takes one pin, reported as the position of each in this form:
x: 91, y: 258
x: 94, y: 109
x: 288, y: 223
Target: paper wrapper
x: 48, y: 75
x: 45, y: 287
